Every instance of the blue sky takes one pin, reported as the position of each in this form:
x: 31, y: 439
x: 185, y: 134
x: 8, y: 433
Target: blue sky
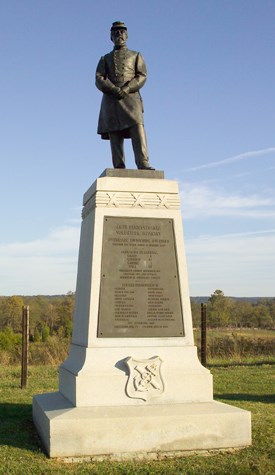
x: 209, y: 117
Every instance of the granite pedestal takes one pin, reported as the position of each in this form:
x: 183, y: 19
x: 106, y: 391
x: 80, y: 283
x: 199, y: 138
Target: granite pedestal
x: 132, y: 383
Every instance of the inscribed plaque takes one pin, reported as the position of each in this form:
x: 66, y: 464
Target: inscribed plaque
x: 139, y: 291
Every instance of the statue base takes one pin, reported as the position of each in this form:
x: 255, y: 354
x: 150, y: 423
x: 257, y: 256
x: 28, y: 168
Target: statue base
x: 137, y: 432
x: 132, y: 383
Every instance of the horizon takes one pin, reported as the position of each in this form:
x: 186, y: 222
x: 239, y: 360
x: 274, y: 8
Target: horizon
x: 191, y: 296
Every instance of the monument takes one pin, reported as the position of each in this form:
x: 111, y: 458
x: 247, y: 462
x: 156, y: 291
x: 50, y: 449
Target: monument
x: 132, y: 384
x: 120, y: 75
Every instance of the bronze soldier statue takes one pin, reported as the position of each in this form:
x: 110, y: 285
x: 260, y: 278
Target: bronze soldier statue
x: 119, y: 75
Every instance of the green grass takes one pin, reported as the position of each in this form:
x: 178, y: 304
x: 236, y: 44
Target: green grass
x: 248, y: 387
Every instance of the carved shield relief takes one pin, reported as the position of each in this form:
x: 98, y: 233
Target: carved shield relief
x: 144, y: 381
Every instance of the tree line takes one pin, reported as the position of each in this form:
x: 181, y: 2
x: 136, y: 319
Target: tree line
x: 229, y: 312
x: 53, y: 315
x: 49, y: 315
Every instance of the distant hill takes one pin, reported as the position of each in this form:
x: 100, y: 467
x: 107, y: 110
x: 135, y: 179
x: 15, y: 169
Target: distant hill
x: 247, y: 299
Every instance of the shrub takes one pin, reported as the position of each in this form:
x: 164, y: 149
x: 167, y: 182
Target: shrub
x: 45, y: 333
x: 10, y: 346
x: 54, y: 351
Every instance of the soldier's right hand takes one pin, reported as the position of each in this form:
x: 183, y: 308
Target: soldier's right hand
x: 119, y: 93
x: 115, y: 91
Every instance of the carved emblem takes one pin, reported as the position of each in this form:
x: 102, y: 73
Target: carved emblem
x: 131, y: 200
x: 144, y: 380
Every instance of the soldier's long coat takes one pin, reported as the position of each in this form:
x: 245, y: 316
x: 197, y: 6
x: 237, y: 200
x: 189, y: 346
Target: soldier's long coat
x: 118, y: 68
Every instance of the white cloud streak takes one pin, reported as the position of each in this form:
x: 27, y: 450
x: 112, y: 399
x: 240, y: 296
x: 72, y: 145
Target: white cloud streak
x: 235, y: 158
x: 41, y: 266
x: 240, y: 264
x: 202, y: 201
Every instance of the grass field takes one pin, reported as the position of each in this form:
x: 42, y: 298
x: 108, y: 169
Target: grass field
x: 253, y: 333
x: 223, y: 343
x: 238, y: 344
x: 246, y: 386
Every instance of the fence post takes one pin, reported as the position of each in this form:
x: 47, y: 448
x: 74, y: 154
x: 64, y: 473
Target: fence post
x: 203, y: 334
x: 25, y: 345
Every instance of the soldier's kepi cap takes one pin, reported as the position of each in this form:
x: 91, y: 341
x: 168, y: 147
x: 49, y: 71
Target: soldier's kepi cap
x: 118, y: 25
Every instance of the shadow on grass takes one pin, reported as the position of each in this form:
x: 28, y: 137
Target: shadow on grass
x: 17, y: 428
x: 265, y: 398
